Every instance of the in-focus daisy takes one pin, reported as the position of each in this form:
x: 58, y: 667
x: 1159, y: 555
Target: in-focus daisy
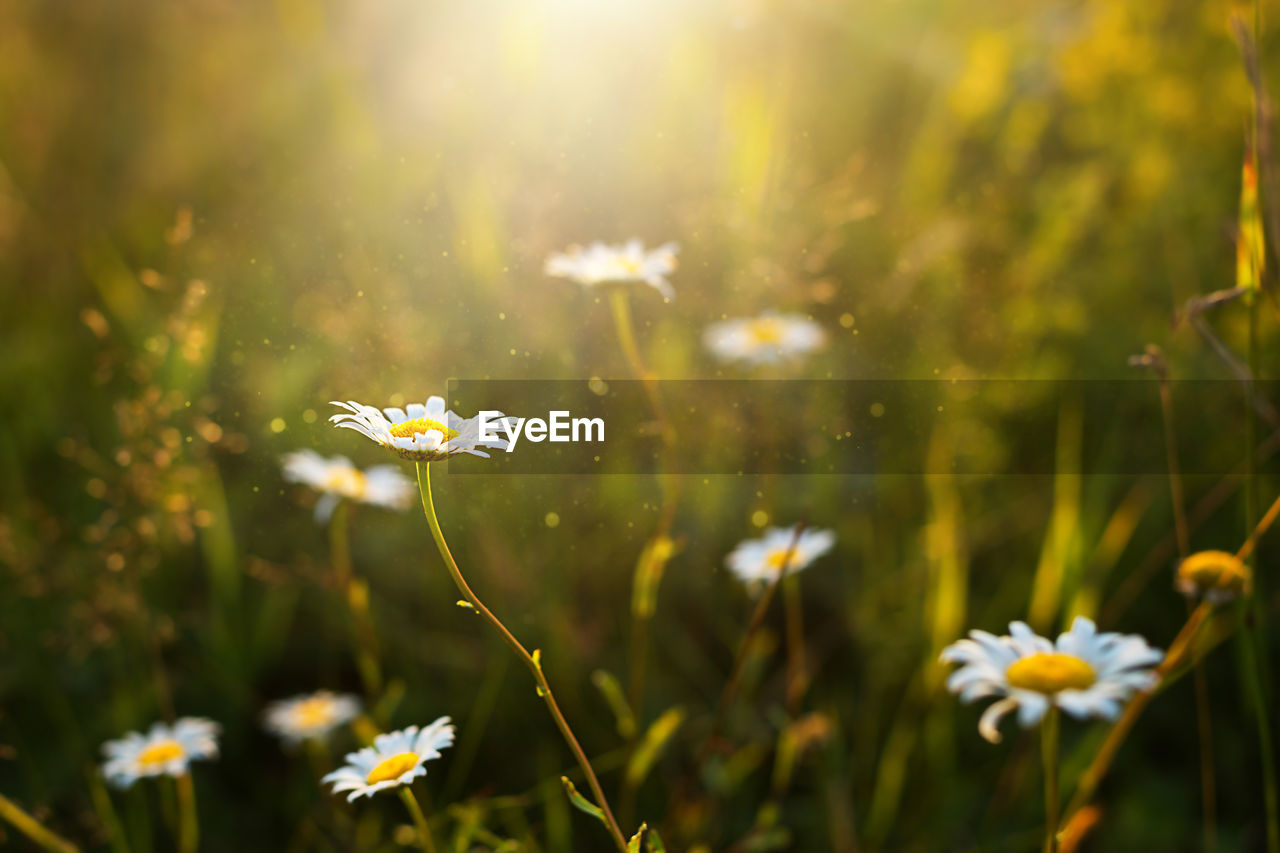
x: 1085, y: 673
x: 766, y: 339
x: 600, y: 263
x: 760, y: 560
x: 310, y: 716
x: 1216, y: 576
x: 165, y: 750
x: 421, y: 433
x: 394, y: 759
x: 337, y: 478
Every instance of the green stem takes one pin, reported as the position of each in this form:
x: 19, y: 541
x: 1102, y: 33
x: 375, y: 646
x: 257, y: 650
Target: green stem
x: 356, y: 598
x: 797, y: 677
x: 534, y: 667
x: 419, y: 819
x: 32, y: 829
x: 1049, y: 754
x: 188, y: 821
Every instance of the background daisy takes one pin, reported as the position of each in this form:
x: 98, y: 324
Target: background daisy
x: 310, y: 716
x: 760, y: 560
x: 600, y: 263
x: 766, y: 339
x: 165, y: 750
x: 336, y: 478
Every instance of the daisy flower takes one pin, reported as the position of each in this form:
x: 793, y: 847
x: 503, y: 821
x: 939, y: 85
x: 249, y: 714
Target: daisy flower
x: 629, y: 262
x: 165, y: 750
x: 766, y: 339
x: 1085, y: 673
x: 1216, y: 576
x: 421, y: 433
x: 760, y: 560
x: 310, y: 716
x: 394, y: 759
x: 337, y: 478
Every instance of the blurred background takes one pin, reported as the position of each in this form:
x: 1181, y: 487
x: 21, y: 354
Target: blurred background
x: 215, y: 217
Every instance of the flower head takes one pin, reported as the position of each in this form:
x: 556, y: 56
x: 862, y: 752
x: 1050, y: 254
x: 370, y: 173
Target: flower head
x: 394, y: 759
x: 165, y: 750
x: 421, y: 433
x: 766, y: 339
x: 1217, y: 576
x: 337, y: 478
x: 629, y: 262
x: 310, y: 716
x: 1085, y: 673
x: 757, y: 561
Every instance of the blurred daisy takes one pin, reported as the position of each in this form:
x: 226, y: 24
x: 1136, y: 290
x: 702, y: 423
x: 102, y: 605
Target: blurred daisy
x: 767, y: 339
x: 310, y: 716
x: 1216, y: 576
x: 421, y: 433
x: 1086, y: 674
x: 760, y: 560
x: 629, y: 262
x: 337, y: 478
x: 394, y: 759
x: 165, y: 750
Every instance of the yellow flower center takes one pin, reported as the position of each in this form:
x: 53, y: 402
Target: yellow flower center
x: 630, y: 266
x: 392, y: 768
x: 414, y: 426
x: 313, y: 713
x: 778, y: 559
x: 161, y: 752
x: 765, y: 330
x: 1050, y: 672
x: 347, y: 482
x: 1207, y: 570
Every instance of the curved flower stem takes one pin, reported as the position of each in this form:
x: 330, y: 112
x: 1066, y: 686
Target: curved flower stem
x: 32, y: 829
x: 188, y: 821
x: 1049, y: 753
x: 419, y: 819
x: 531, y: 662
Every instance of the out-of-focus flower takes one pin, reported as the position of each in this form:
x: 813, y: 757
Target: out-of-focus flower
x: 310, y: 716
x: 421, y: 433
x: 757, y: 561
x: 165, y: 750
x: 394, y: 759
x: 1215, y: 576
x: 767, y: 339
x: 337, y: 478
x: 599, y: 263
x: 1086, y: 674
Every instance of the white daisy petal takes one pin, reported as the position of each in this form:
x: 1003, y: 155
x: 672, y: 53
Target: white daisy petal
x: 1085, y: 673
x: 165, y: 750
x: 392, y: 761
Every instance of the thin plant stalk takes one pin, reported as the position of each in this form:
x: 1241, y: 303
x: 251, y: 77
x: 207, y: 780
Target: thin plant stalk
x: 744, y: 646
x: 623, y: 323
x: 1178, y: 649
x: 530, y: 661
x: 32, y: 828
x: 356, y: 597
x: 1204, y: 717
x: 188, y: 820
x: 1049, y: 756
x: 797, y: 669
x: 420, y: 824
x: 1253, y: 639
